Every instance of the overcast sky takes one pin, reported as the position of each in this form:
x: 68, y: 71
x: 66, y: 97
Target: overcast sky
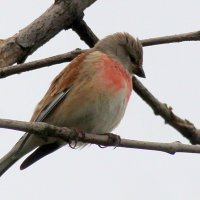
x: 172, y: 73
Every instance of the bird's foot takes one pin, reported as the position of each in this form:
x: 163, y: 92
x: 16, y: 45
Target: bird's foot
x: 113, y: 139
x: 73, y: 142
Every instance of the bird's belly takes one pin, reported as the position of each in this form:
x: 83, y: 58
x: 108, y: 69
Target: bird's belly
x: 103, y: 115
x: 96, y: 113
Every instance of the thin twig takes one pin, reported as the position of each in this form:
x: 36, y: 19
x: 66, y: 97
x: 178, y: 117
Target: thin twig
x: 66, y: 134
x: 191, y: 36
x: 46, y: 62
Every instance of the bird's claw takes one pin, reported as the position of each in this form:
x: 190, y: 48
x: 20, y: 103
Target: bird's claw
x: 73, y: 142
x: 113, y: 139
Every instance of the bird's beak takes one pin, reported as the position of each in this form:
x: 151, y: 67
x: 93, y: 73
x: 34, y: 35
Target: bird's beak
x: 140, y: 72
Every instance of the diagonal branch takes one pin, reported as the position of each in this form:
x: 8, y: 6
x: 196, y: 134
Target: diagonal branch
x: 66, y: 134
x: 61, y: 15
x: 185, y: 127
x: 85, y: 33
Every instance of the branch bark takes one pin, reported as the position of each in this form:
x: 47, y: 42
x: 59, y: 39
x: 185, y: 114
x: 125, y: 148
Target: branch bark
x: 66, y: 134
x: 61, y: 15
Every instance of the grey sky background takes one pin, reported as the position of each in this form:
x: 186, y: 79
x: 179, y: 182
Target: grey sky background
x: 172, y: 72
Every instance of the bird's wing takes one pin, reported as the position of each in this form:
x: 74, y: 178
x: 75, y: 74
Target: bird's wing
x: 59, y: 89
x: 56, y: 93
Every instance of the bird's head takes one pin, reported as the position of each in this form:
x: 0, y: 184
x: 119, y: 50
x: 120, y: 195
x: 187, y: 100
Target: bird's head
x: 125, y: 49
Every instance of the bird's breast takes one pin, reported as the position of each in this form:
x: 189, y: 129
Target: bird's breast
x: 107, y: 91
x: 115, y: 77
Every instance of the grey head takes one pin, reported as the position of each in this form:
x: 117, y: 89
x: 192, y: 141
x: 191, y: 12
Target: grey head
x: 125, y: 49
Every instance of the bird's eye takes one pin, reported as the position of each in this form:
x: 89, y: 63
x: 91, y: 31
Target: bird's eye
x: 132, y: 59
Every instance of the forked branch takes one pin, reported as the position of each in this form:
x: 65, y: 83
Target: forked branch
x: 60, y: 16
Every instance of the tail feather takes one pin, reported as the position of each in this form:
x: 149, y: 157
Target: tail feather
x: 11, y: 157
x: 7, y: 161
x: 39, y: 153
x: 25, y: 145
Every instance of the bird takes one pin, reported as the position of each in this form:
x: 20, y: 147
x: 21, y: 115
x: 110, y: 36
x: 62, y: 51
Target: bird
x: 90, y: 94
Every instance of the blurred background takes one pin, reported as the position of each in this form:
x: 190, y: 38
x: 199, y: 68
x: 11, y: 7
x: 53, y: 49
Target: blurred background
x: 172, y: 72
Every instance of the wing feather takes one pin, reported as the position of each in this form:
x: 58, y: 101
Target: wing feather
x: 57, y: 91
x: 58, y: 88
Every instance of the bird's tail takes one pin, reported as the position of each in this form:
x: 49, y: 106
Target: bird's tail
x: 7, y: 161
x: 21, y: 148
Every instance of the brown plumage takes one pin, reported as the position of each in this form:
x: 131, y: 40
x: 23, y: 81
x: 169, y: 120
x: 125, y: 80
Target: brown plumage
x: 90, y: 94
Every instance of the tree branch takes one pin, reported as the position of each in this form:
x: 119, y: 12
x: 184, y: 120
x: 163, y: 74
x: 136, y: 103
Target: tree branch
x: 85, y: 33
x: 66, y: 134
x: 185, y: 127
x: 46, y: 62
x: 61, y: 15
x: 192, y: 36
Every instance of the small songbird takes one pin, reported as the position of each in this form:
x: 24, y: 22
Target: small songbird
x: 90, y: 94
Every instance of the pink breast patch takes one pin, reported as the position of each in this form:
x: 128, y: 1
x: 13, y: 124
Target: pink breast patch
x: 115, y: 76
